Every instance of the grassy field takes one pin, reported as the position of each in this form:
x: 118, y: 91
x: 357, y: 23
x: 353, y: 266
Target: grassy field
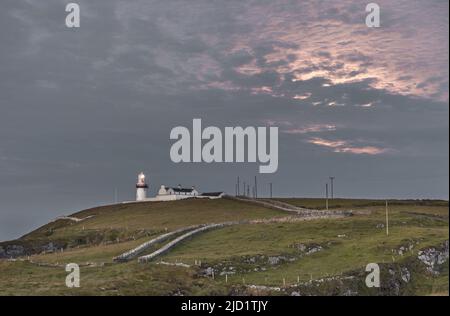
x: 345, y: 245
x: 345, y: 204
x: 360, y: 242
x: 122, y: 222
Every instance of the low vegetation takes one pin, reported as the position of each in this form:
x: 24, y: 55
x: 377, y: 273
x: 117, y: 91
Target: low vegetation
x: 318, y: 257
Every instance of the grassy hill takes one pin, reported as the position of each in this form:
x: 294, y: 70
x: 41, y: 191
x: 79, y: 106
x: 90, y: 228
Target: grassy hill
x: 317, y: 257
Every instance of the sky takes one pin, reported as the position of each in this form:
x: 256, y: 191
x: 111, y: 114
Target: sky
x: 84, y: 110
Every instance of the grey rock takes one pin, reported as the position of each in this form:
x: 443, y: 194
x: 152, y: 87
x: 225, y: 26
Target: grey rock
x: 405, y: 275
x: 274, y: 260
x: 14, y: 251
x: 314, y: 249
x: 209, y: 271
x: 50, y: 247
x: 433, y: 258
x: 301, y: 247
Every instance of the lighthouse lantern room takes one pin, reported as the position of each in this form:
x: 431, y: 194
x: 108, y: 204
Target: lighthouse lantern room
x: 141, y: 188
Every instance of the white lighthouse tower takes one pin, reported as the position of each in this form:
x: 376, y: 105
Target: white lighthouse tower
x: 141, y: 188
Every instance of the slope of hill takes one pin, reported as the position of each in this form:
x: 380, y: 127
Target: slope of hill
x: 269, y: 255
x: 132, y: 221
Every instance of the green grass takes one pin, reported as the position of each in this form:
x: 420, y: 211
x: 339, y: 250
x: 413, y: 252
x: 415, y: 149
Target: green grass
x: 124, y: 222
x: 424, y: 223
x: 364, y: 243
x: 338, y: 203
x: 21, y: 278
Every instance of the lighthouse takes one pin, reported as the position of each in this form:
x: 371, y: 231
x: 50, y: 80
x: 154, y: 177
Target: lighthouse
x: 141, y: 188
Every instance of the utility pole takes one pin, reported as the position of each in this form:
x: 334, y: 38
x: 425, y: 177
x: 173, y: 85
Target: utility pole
x: 239, y: 192
x: 326, y: 195
x: 332, y: 187
x: 245, y: 189
x: 256, y: 188
x: 270, y: 189
x: 387, y: 219
x: 248, y: 190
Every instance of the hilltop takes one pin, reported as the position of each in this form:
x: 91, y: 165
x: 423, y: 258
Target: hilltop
x: 264, y: 250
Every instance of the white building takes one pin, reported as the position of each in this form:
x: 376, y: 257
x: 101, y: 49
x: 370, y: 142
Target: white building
x: 174, y: 193
x: 170, y: 193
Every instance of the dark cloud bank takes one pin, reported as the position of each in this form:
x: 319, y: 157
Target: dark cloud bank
x: 83, y: 111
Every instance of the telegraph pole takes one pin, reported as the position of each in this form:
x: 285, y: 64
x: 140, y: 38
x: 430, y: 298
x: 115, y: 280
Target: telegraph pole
x: 245, y: 189
x: 256, y: 188
x: 270, y: 189
x: 387, y: 219
x: 238, y: 191
x: 326, y: 195
x: 332, y: 187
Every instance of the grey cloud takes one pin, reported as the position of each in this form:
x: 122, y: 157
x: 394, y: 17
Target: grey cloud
x: 82, y: 111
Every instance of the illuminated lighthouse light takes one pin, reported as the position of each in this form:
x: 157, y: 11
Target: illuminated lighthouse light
x: 141, y: 188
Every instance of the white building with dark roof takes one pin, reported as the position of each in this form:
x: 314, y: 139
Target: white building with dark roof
x: 171, y: 193
x: 175, y: 193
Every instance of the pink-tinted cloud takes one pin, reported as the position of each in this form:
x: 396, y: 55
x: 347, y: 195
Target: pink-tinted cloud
x: 407, y: 55
x: 343, y: 146
x: 313, y: 128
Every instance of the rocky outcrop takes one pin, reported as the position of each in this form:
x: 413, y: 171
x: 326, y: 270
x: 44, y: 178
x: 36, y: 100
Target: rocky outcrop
x: 260, y: 262
x: 397, y: 278
x: 434, y: 257
x: 11, y: 250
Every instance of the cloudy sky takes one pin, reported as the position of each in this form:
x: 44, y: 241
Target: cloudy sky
x: 82, y: 111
